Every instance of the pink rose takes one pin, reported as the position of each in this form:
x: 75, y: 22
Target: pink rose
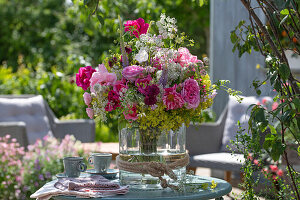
x: 142, y: 83
x: 132, y: 72
x: 191, y: 93
x: 172, y: 99
x: 185, y: 57
x: 102, y: 77
x: 273, y: 168
x: 279, y: 172
x: 87, y: 98
x: 136, y: 27
x: 131, y: 114
x: 274, y: 106
x: 90, y: 112
x: 83, y: 77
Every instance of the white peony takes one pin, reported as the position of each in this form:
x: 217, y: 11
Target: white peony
x: 142, y: 56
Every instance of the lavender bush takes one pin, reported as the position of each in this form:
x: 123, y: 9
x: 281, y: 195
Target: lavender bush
x: 22, y: 173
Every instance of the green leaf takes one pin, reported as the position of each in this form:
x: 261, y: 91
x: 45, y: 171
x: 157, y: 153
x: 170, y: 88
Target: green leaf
x: 283, y: 20
x: 100, y: 18
x: 296, y: 102
x: 86, y: 2
x: 277, y: 150
x: 284, y: 71
x: 260, y: 115
x: 285, y: 12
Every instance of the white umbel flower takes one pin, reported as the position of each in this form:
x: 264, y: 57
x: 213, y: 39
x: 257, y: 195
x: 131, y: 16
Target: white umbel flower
x: 142, y: 56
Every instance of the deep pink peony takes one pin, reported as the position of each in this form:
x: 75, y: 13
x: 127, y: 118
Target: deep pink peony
x: 90, y: 112
x: 87, y: 98
x: 132, y: 72
x: 131, y: 114
x: 136, y: 27
x: 102, y: 77
x: 279, y: 172
x: 83, y: 77
x: 172, y: 99
x: 191, y: 93
x: 185, y: 57
x: 142, y: 83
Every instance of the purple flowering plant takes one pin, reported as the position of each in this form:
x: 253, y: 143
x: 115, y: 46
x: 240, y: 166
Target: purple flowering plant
x: 23, y: 172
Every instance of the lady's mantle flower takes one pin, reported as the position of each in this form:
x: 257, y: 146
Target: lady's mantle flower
x: 102, y: 77
x: 131, y: 113
x: 190, y: 93
x: 132, y: 72
x: 172, y: 99
x: 84, y: 76
x: 136, y: 27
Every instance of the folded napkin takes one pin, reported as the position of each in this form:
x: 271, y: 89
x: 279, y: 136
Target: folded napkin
x: 85, y: 187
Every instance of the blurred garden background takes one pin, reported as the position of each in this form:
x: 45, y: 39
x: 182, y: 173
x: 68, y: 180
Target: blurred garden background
x: 44, y: 43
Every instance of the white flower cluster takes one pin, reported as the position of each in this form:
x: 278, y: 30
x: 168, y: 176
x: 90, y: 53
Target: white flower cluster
x: 166, y: 26
x: 99, y: 105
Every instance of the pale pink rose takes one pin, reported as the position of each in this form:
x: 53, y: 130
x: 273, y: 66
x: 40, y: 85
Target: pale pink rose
x: 102, y: 77
x: 131, y: 114
x: 185, y: 57
x: 87, y: 98
x: 132, y: 72
x: 90, y: 112
x: 172, y: 99
x: 191, y: 93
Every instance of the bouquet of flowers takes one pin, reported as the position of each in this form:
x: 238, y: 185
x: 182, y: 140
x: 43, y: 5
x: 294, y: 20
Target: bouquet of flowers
x: 154, y: 81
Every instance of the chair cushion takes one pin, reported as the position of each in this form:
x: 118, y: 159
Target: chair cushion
x: 31, y: 111
x: 236, y: 112
x: 222, y: 161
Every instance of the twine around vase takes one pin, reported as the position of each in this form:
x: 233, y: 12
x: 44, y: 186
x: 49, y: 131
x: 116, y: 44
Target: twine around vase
x: 155, y: 169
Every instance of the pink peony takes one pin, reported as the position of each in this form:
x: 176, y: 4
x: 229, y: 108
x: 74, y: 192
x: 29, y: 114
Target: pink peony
x: 136, y: 27
x: 191, y: 93
x: 83, y: 77
x: 131, y: 114
x: 87, y: 98
x: 185, y: 57
x: 142, y: 83
x: 279, y: 172
x: 90, y: 112
x: 172, y: 99
x: 132, y: 72
x: 102, y: 77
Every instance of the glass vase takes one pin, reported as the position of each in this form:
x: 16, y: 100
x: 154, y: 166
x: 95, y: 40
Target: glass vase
x: 138, y: 145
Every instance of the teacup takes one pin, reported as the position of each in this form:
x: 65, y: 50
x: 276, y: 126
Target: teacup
x: 101, y: 161
x: 73, y: 166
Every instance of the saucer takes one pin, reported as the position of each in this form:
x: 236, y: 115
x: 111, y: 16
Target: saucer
x: 63, y: 175
x: 109, y: 174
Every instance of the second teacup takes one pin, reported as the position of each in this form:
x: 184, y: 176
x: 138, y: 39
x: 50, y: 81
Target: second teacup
x: 73, y: 166
x: 101, y: 161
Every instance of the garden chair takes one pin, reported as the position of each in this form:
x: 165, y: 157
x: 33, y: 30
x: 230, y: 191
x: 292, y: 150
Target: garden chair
x: 29, y: 117
x: 207, y: 142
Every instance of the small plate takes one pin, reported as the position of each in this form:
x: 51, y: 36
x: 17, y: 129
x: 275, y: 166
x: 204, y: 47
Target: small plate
x: 63, y: 175
x: 110, y: 173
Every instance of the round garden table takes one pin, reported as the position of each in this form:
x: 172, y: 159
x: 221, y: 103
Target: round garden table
x: 220, y: 190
